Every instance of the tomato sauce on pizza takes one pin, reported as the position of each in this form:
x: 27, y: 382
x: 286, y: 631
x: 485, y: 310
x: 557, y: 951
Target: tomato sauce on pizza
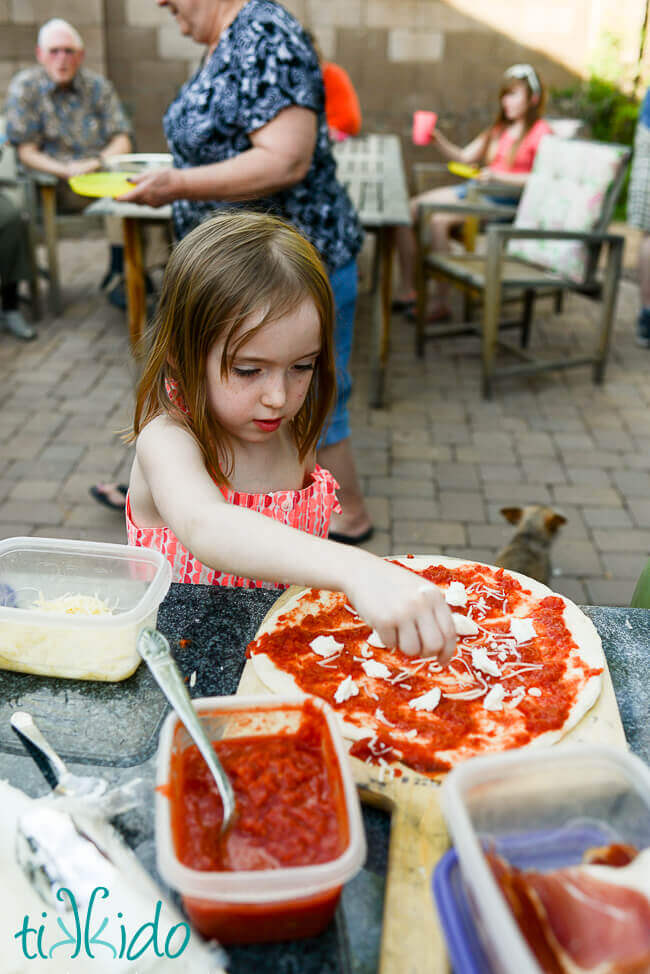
x: 527, y: 667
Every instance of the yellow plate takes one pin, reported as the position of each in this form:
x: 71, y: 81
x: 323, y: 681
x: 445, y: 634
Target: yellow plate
x: 462, y: 169
x: 102, y: 183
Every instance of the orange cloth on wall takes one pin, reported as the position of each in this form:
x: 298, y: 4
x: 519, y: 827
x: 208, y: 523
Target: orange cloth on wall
x: 341, y: 103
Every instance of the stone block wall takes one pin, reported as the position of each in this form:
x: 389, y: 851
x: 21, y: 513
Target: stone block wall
x: 447, y: 55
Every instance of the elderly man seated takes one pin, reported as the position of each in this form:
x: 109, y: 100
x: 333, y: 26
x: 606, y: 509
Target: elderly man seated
x: 66, y: 120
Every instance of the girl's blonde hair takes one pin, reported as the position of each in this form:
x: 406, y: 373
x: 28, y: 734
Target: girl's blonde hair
x: 536, y: 102
x: 226, y: 269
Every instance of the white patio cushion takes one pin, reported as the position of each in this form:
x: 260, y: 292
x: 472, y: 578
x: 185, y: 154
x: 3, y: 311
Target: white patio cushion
x: 566, y: 190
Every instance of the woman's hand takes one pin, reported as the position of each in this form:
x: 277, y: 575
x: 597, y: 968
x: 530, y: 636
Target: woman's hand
x: 406, y: 611
x: 155, y: 188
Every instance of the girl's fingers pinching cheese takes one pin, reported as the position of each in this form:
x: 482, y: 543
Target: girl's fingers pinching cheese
x: 432, y: 640
x: 440, y: 622
x: 409, y: 639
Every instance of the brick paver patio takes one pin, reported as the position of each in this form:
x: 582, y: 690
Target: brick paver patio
x: 436, y: 464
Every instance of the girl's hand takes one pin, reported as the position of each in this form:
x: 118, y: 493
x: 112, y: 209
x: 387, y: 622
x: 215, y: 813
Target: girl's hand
x: 155, y: 188
x: 486, y: 175
x: 406, y: 611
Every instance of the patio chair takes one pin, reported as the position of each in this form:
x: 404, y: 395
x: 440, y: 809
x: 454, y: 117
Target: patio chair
x: 12, y: 184
x: 428, y: 175
x: 37, y: 192
x: 553, y: 246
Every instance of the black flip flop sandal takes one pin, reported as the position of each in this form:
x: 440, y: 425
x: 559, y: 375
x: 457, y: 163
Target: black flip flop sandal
x: 102, y: 498
x: 351, y: 538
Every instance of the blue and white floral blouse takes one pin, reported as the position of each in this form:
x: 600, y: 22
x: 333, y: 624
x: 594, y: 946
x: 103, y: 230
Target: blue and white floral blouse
x: 262, y: 64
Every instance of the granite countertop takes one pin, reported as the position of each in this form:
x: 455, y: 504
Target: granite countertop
x: 208, y: 629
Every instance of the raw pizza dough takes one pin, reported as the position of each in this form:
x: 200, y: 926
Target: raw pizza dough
x: 420, y: 734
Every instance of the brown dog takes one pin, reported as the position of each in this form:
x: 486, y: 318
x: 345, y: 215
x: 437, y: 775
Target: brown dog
x: 528, y: 551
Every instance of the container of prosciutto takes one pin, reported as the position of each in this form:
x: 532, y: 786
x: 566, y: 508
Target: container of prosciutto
x: 554, y: 855
x: 297, y: 837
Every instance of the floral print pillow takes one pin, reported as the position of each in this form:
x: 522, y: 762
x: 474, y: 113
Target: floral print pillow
x: 566, y: 190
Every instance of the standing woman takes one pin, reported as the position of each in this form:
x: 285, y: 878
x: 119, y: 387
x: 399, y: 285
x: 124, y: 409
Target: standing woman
x: 638, y: 214
x: 249, y: 129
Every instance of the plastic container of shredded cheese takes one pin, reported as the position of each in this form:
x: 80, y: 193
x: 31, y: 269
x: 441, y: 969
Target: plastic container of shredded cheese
x: 74, y: 609
x: 538, y: 810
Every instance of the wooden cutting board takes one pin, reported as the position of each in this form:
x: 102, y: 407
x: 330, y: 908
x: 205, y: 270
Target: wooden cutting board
x: 412, y: 940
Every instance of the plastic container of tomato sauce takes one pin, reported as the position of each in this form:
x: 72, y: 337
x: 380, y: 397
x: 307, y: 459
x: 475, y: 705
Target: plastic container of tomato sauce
x: 298, y: 834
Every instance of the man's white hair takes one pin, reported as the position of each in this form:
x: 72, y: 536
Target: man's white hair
x: 58, y: 24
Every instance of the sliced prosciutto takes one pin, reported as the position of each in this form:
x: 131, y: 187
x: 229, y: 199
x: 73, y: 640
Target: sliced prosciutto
x: 586, y: 918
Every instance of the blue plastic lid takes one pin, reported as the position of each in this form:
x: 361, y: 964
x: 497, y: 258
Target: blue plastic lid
x: 533, y: 850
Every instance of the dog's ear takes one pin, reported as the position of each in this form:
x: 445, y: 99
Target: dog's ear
x: 512, y: 514
x: 554, y: 521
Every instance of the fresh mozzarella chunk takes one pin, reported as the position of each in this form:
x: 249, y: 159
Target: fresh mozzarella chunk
x: 374, y: 639
x: 463, y: 625
x: 481, y: 661
x: 346, y: 689
x: 456, y: 594
x: 372, y: 668
x: 523, y: 630
x: 325, y: 645
x: 493, y: 699
x: 428, y: 701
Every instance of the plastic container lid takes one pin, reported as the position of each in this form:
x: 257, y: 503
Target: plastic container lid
x: 549, y: 805
x: 133, y: 580
x: 267, y: 885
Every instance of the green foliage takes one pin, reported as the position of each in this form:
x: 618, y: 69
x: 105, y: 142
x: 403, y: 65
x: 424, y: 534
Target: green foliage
x: 609, y: 113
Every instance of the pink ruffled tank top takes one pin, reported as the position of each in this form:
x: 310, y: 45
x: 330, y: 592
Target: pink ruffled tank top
x: 308, y: 509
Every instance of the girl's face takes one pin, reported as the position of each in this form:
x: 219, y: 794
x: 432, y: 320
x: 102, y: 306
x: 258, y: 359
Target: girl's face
x: 269, y: 377
x: 515, y: 101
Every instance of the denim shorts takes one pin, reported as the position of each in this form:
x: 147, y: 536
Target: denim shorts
x: 461, y: 193
x: 344, y: 286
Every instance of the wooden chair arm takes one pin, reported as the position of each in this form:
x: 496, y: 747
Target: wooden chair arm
x: 467, y: 208
x: 499, y: 234
x: 41, y: 178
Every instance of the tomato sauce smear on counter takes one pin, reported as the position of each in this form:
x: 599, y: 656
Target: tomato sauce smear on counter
x: 290, y: 804
x: 503, y: 688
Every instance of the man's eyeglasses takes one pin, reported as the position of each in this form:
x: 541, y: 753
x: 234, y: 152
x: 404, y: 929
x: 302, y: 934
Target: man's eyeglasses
x: 62, y: 50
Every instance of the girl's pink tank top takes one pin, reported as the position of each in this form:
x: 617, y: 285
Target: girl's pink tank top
x: 308, y: 510
x: 526, y: 150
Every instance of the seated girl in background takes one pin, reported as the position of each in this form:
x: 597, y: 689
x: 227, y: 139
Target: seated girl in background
x: 505, y: 152
x: 236, y: 389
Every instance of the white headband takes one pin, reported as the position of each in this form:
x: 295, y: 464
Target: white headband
x: 525, y: 72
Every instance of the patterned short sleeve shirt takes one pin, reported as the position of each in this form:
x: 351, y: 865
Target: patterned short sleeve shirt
x: 66, y: 123
x: 263, y: 63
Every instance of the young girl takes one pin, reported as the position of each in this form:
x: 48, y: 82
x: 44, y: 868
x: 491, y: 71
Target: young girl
x: 505, y: 152
x: 234, y: 394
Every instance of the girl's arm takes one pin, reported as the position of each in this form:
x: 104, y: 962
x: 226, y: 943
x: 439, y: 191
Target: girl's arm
x: 280, y: 156
x: 472, y: 153
x: 405, y: 610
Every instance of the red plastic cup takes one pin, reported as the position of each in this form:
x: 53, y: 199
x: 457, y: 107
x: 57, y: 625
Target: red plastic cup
x: 423, y: 126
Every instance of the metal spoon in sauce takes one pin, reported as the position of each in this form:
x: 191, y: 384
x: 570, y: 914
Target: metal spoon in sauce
x: 154, y: 650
